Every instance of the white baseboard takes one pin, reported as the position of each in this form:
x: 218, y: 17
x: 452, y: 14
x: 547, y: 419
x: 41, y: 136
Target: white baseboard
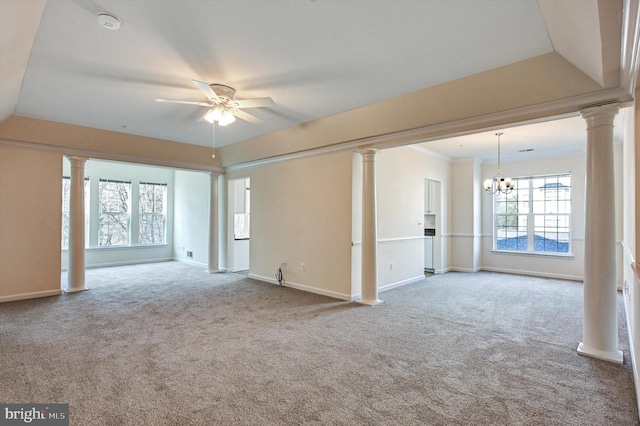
x: 401, y: 283
x: 334, y: 294
x: 124, y: 263
x: 533, y: 273
x: 303, y: 287
x: 190, y: 262
x: 32, y: 295
x: 458, y: 269
x: 634, y: 365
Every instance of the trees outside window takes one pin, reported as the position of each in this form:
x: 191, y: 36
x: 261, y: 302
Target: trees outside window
x: 114, y: 201
x: 152, y: 213
x: 535, y: 216
x: 66, y: 202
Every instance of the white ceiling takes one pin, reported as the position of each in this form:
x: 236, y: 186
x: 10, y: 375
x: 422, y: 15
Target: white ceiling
x: 314, y: 58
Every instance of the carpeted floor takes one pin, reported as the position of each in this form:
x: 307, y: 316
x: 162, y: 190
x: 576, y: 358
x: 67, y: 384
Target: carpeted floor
x: 167, y: 344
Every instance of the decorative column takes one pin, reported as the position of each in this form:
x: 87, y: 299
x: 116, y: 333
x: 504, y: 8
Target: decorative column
x: 75, y: 275
x: 212, y: 264
x: 223, y: 209
x: 600, y: 323
x: 369, y: 291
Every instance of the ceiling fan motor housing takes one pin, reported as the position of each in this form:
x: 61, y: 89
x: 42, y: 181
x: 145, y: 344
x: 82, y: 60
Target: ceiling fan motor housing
x: 223, y: 91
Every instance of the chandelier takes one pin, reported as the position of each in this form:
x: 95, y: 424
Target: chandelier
x: 499, y: 184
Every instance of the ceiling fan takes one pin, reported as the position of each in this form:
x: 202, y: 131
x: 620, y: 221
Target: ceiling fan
x: 223, y: 108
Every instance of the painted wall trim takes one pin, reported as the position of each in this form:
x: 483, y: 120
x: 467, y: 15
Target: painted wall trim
x: 634, y: 365
x: 32, y: 295
x: 533, y: 273
x: 100, y: 155
x: 303, y: 287
x: 391, y: 240
x: 190, y: 262
x: 125, y: 263
x: 528, y: 114
x: 401, y: 283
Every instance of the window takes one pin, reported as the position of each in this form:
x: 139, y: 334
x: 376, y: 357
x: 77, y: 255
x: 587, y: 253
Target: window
x: 242, y: 209
x: 66, y: 202
x: 152, y: 208
x: 114, y: 200
x: 535, y: 216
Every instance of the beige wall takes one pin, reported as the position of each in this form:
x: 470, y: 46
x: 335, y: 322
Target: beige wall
x: 465, y: 234
x: 30, y: 223
x: 191, y: 217
x: 400, y: 182
x: 301, y: 213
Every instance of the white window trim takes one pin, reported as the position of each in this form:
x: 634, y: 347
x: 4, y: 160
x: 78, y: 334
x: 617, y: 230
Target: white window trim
x: 530, y: 223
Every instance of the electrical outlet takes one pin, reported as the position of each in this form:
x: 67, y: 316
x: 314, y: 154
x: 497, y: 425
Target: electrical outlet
x: 189, y: 254
x: 303, y: 267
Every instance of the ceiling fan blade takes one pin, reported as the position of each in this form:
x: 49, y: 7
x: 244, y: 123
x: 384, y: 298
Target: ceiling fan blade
x: 171, y: 101
x: 255, y: 102
x: 208, y: 92
x: 248, y: 117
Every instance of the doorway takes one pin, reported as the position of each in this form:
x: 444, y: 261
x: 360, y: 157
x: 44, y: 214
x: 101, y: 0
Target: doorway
x: 238, y: 247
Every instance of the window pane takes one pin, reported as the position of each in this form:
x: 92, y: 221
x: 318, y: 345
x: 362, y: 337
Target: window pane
x: 152, y: 203
x: 114, y: 202
x: 511, y: 232
x: 66, y: 202
x: 551, y: 233
x: 66, y: 192
x: 548, y: 200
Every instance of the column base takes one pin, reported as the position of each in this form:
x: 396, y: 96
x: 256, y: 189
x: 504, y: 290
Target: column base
x: 75, y: 290
x: 611, y: 356
x: 212, y: 271
x: 369, y: 302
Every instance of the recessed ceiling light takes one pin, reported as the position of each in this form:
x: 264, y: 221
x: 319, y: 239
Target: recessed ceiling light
x: 109, y: 22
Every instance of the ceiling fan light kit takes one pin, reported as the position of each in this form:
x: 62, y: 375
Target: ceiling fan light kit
x: 223, y: 108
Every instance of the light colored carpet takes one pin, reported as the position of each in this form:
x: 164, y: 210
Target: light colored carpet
x: 167, y: 344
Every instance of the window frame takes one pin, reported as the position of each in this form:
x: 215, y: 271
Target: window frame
x: 66, y: 202
x: 530, y: 217
x: 142, y: 214
x: 114, y: 212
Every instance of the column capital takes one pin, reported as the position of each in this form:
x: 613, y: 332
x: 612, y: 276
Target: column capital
x: 600, y: 116
x: 214, y: 175
x: 75, y: 159
x: 368, y: 153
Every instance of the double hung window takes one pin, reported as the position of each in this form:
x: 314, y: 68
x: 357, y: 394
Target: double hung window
x: 536, y: 216
x: 114, y: 201
x: 152, y: 203
x: 66, y: 204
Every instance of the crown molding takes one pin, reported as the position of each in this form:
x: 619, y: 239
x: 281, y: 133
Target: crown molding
x: 100, y: 155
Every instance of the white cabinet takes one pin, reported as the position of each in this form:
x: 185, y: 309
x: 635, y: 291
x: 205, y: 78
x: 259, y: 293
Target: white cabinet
x: 430, y: 188
x: 428, y: 253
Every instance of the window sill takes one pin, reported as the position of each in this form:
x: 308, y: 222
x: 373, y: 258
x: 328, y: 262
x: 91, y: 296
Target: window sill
x: 141, y: 246
x: 535, y: 253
